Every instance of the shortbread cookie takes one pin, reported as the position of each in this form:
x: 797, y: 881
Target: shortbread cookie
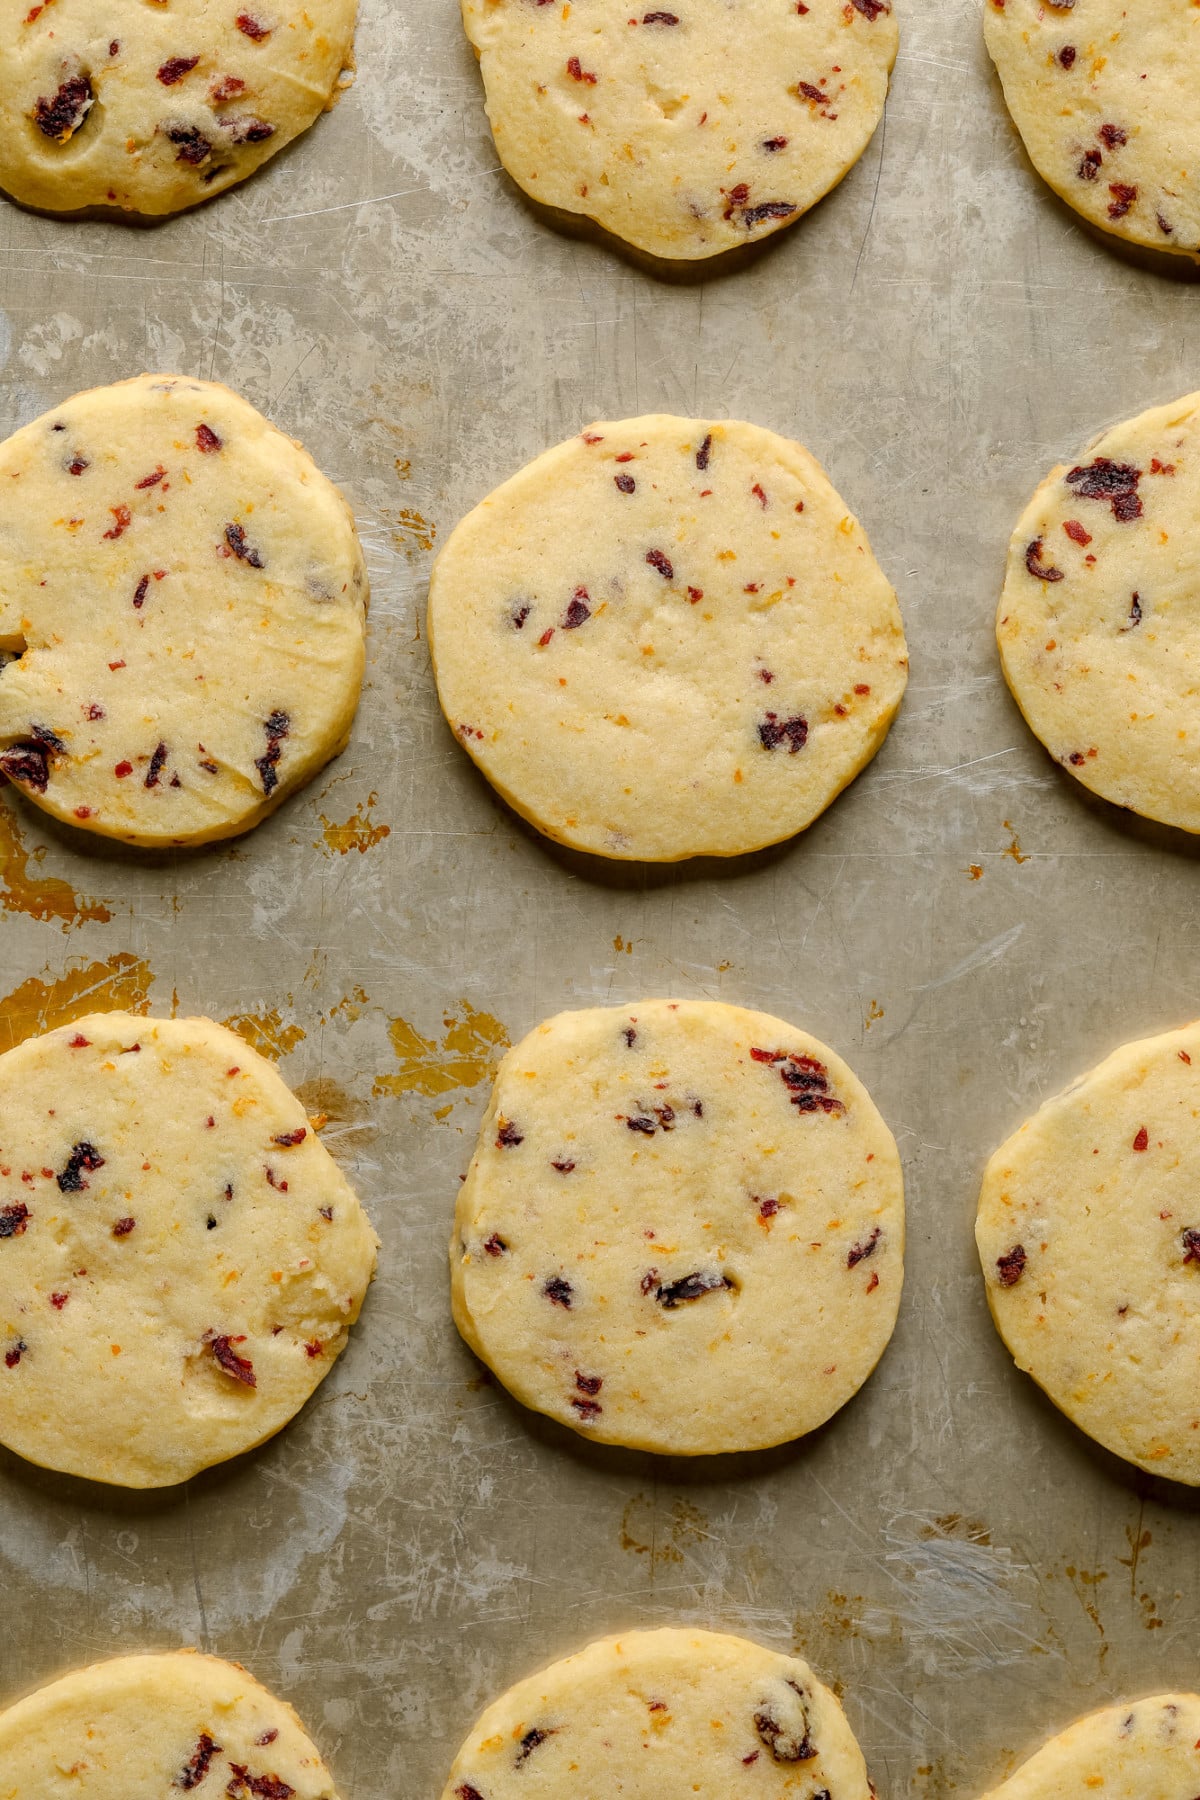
x: 685, y: 131
x: 665, y: 1715
x: 682, y: 1230
x: 1089, y: 1234
x: 144, y: 1727
x: 1101, y: 93
x: 1142, y: 1750
x: 1097, y: 625
x: 189, y: 595
x: 180, y: 1257
x: 151, y: 108
x: 666, y: 638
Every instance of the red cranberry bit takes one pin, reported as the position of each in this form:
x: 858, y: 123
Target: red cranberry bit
x: 276, y: 727
x: 1112, y: 135
x: 1164, y: 226
x: 123, y: 1227
x: 60, y: 117
x: 58, y: 1301
x: 78, y: 464
x: 239, y: 1368
x: 1037, y: 568
x: 1089, y: 165
x: 625, y: 482
x: 79, y: 1042
x: 1076, y: 532
x: 140, y: 592
x: 248, y: 129
x: 588, y: 1384
x: 704, y: 453
x: 83, y: 1156
x: 207, y: 441
x: 28, y: 763
x: 263, y: 1787
x: 775, y: 143
x: 123, y: 769
x: 314, y: 1349
x: 759, y: 495
x: 236, y: 545
x: 1011, y: 1266
x: 191, y: 146
x: 545, y: 638
x: 755, y: 1754
x: 508, y: 1137
x: 690, y: 1287
x: 153, y: 479
x: 1142, y: 1140
x: 266, y: 1737
x: 251, y: 28
x: 518, y: 616
x: 465, y: 1791
x: 559, y: 1291
x: 1066, y: 56
x: 640, y: 1122
x: 578, y: 612
x: 587, y: 1409
x: 273, y: 1181
x: 660, y: 18
x: 156, y: 765
x: 13, y: 1356
x: 658, y: 561
x: 123, y: 519
x: 114, y: 48
x: 194, y: 1771
x: 630, y: 1035
x: 529, y: 1743
x: 774, y: 731
x: 1123, y: 197
x: 1191, y: 1245
x: 495, y: 1245
x: 577, y: 72
x: 860, y: 1252
x: 564, y: 1168
x: 1135, y: 613
x: 1161, y: 468
x: 1115, y: 483
x: 13, y: 1220
x: 287, y: 1140
x: 695, y: 594
x: 871, y: 9
x: 175, y: 68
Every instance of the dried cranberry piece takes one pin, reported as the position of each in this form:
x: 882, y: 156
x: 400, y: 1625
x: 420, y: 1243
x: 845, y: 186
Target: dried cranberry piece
x: 77, y: 464
x: 1066, y: 56
x: 530, y: 1742
x: 207, y: 441
x: 859, y: 1252
x: 1110, y: 481
x: 235, y: 539
x: 1124, y: 196
x: 1191, y: 1245
x: 1076, y: 532
x: 1135, y: 613
x: 588, y: 1384
x: 564, y: 1168
x: 26, y: 762
x: 276, y: 727
x: 13, y: 1220
x: 871, y: 9
x: 83, y: 1156
x: 641, y: 1122
x: 786, y: 1746
x: 495, y: 1245
x: 775, y: 143
x: 140, y: 592
x: 508, y: 1137
x: 518, y: 616
x: 1089, y: 165
x: 587, y: 1409
x: 767, y: 209
x: 251, y: 28
x: 60, y: 117
x: 13, y: 1355
x: 247, y: 129
x: 1037, y: 568
x: 191, y: 145
x: 465, y: 1791
x: 263, y: 1787
x: 239, y: 1368
x: 1112, y: 135
x: 578, y: 612
x: 123, y: 1227
x: 625, y: 482
x: 157, y: 761
x: 559, y: 1290
x: 630, y: 1035
x: 577, y: 71
x: 690, y: 1287
x: 774, y: 731
x: 658, y: 561
x: 175, y: 68
x: 1011, y: 1265
x: 659, y: 18
x: 287, y: 1140
x: 194, y: 1771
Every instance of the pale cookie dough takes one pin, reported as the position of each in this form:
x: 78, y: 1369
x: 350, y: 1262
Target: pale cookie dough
x: 187, y: 596
x: 181, y: 1259
x: 1089, y: 1235
x: 1099, y: 621
x: 667, y: 638
x: 685, y: 130
x: 152, y: 107
x: 148, y: 1727
x: 1140, y: 1750
x: 665, y: 1715
x: 682, y: 1230
x: 1102, y: 94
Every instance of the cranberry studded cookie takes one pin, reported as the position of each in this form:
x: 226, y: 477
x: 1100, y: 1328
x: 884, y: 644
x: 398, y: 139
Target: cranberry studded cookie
x: 1102, y: 94
x: 1140, y: 1750
x: 1089, y: 1234
x: 682, y: 1230
x: 187, y: 597
x: 665, y: 1715
x: 685, y: 130
x: 151, y: 108
x: 181, y: 1259
x: 667, y: 638
x: 140, y: 1727
x: 1098, y: 625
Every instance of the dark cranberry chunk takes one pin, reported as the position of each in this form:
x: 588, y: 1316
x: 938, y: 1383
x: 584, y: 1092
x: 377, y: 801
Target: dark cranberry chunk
x: 1089, y: 165
x: 559, y: 1291
x: 1011, y: 1266
x: 578, y: 612
x: 625, y: 482
x: 276, y: 727
x: 83, y: 1156
x: 207, y: 441
x: 787, y: 1744
x: 690, y: 1287
x: 704, y: 453
x: 495, y: 1245
x: 13, y: 1220
x: 767, y: 209
x: 508, y: 1137
x: 237, y: 545
x: 239, y: 1368
x: 1037, y: 568
x: 859, y: 1252
x: 175, y: 68
x: 1124, y: 196
x: 287, y: 1140
x: 658, y: 561
x: 1191, y: 1245
x: 61, y: 116
x: 530, y: 1742
x: 1113, y: 482
x: 157, y: 761
x: 123, y: 1227
x: 191, y: 145
x: 263, y: 1787
x: 588, y: 1384
x: 14, y: 1353
x: 251, y: 28
x: 247, y: 128
x: 774, y: 731
x: 194, y: 1771
x: 871, y: 9
x: 659, y: 18
x: 1112, y: 135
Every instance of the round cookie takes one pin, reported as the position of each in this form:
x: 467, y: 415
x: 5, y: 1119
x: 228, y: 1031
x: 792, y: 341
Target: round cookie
x: 142, y: 1727
x: 1089, y: 1234
x: 181, y: 1259
x: 1101, y: 93
x: 1141, y: 1750
x: 152, y: 108
x: 682, y: 1229
x: 665, y: 1715
x: 666, y: 638
x: 187, y: 596
x: 1099, y: 623
x: 685, y: 131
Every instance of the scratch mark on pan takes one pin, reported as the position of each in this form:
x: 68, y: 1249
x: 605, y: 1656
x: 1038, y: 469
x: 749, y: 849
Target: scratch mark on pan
x: 981, y: 958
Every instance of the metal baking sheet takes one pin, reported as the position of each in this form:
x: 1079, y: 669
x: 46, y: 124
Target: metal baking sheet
x: 965, y: 925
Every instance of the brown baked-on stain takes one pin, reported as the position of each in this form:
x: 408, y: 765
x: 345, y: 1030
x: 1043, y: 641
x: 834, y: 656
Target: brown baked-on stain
x: 412, y: 531
x: 1014, y: 849
x: 975, y: 871
x: 358, y: 833
x: 43, y: 897
x: 646, y: 1532
x: 874, y: 1013
x: 468, y: 1054
x: 119, y: 984
x: 266, y: 1031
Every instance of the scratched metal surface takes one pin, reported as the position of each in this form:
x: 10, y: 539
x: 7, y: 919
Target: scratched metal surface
x: 949, y: 1552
